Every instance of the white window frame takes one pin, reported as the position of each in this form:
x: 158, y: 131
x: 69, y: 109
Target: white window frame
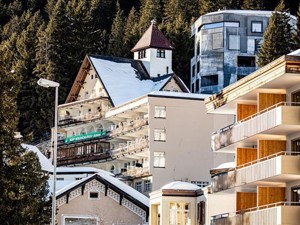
x: 236, y: 43
x: 147, y: 185
x: 160, y: 111
x: 255, y: 23
x: 138, y: 186
x: 65, y: 216
x: 89, y: 197
x: 177, y: 213
x: 160, y: 135
x: 159, y: 159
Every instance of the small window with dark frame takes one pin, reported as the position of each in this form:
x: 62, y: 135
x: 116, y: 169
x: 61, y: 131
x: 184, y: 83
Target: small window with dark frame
x: 161, y: 53
x: 256, y: 27
x: 193, y: 71
x: 93, y: 195
x: 142, y: 54
x: 246, y: 61
x: 234, y: 42
x: 197, y: 85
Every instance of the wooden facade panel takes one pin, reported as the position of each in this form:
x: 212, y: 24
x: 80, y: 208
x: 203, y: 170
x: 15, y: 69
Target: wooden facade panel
x: 244, y: 111
x: 269, y: 195
x: 268, y: 99
x: 269, y: 147
x: 245, y: 200
x: 245, y: 155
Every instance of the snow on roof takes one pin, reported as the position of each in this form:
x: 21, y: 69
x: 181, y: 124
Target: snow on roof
x: 116, y: 182
x: 247, y: 12
x: 179, y: 185
x: 295, y: 53
x: 44, y: 161
x: 119, y: 79
x: 179, y: 94
x: 226, y: 165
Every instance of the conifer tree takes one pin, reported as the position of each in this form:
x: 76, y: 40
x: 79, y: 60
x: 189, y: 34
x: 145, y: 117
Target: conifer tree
x: 277, y: 38
x: 131, y: 36
x: 116, y: 40
x: 297, y: 33
x: 23, y: 186
x: 150, y: 10
x: 253, y: 4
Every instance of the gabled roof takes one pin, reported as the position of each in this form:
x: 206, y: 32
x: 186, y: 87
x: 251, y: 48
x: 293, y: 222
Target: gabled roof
x: 124, y: 82
x: 152, y: 38
x: 113, y: 183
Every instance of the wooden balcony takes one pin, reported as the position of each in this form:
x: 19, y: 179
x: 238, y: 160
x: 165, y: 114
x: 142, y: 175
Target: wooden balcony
x: 128, y: 128
x: 68, y: 120
x: 274, y: 214
x: 283, y: 116
x: 84, y: 158
x: 131, y: 148
x: 279, y: 167
x: 136, y: 172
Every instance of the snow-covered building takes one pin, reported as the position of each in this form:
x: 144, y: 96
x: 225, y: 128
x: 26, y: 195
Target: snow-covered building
x: 136, y: 119
x: 226, y: 45
x: 86, y: 195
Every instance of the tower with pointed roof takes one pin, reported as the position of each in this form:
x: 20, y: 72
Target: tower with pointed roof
x: 154, y: 50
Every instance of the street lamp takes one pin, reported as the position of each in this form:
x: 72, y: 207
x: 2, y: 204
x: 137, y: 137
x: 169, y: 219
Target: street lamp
x: 48, y: 83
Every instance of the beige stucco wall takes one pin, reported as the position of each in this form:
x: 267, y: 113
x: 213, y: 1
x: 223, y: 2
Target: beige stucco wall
x: 107, y: 209
x: 172, y: 86
x: 187, y: 148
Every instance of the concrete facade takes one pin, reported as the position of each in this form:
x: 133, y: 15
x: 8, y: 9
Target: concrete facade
x: 226, y: 47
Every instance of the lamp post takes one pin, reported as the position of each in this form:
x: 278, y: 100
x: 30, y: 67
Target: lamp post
x: 47, y: 84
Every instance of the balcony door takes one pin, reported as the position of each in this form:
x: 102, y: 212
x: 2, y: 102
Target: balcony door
x: 296, y: 96
x: 295, y: 196
x: 296, y: 145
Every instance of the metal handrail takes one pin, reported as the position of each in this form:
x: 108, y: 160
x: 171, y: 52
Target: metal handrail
x: 239, y: 212
x: 256, y: 114
x: 266, y: 158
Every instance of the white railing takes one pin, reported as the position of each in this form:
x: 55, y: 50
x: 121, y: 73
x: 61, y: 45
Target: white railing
x: 254, y: 124
x: 129, y: 126
x: 266, y: 167
x: 72, y: 119
x: 137, y: 171
x: 267, y: 214
x: 131, y: 147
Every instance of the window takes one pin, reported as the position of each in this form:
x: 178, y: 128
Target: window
x: 94, y: 195
x: 201, y: 213
x: 138, y: 186
x: 179, y: 214
x: 160, y: 53
x: 193, y: 87
x: 217, y: 40
x: 198, y: 48
x: 160, y: 112
x: 193, y: 71
x: 234, y: 42
x: 60, y: 178
x: 147, y: 186
x: 198, y: 66
x: 88, y: 220
x: 142, y: 54
x: 256, y: 27
x: 209, y: 80
x: 197, y: 85
x: 92, y: 77
x: 159, y: 135
x: 159, y: 159
x: 200, y: 183
x: 246, y: 61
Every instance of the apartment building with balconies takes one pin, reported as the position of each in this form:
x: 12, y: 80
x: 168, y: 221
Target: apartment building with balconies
x: 226, y: 45
x: 263, y: 185
x: 138, y: 121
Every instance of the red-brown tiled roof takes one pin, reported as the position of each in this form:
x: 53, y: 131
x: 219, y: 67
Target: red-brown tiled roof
x: 152, y: 38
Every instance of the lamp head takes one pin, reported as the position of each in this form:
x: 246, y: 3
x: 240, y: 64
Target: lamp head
x: 47, y: 83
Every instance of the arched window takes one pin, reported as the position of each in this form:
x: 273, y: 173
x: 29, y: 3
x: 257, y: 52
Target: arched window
x: 90, y: 129
x: 112, y: 169
x: 83, y: 131
x: 99, y: 127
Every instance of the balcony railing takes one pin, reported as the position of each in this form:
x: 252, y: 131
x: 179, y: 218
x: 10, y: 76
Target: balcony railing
x: 128, y: 127
x: 133, y: 171
x: 69, y: 119
x: 86, y: 158
x: 275, y: 214
x: 280, y: 113
x: 263, y: 168
x: 131, y: 147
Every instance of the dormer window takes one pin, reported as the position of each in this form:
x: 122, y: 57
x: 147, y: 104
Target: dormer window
x: 160, y: 53
x: 142, y: 54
